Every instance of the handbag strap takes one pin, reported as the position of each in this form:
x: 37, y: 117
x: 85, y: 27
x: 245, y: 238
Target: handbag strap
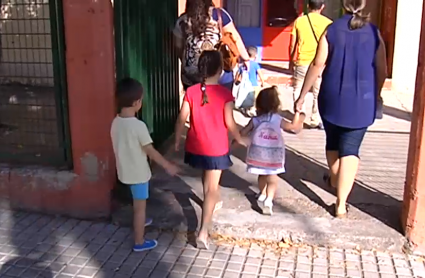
x: 312, y: 29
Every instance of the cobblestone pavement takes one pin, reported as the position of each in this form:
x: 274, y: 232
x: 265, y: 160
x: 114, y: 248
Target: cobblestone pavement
x: 33, y: 245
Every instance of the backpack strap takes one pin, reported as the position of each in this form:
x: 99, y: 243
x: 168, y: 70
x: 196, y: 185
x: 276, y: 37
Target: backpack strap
x: 263, y: 119
x: 220, y: 20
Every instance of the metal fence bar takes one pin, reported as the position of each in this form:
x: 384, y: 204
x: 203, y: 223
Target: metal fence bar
x: 32, y: 94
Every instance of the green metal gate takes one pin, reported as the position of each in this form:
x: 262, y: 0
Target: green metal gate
x: 144, y: 51
x: 33, y: 103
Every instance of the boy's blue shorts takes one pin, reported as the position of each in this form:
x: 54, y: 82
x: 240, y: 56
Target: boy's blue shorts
x: 140, y: 191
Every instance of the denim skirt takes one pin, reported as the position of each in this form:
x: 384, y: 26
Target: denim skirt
x: 205, y: 162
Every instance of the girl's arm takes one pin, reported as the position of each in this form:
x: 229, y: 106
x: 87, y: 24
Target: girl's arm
x: 247, y: 129
x: 296, y: 125
x: 231, y: 124
x: 181, y: 120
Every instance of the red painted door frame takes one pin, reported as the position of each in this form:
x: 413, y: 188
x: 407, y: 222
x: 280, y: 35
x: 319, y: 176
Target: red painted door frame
x: 387, y: 27
x: 276, y: 40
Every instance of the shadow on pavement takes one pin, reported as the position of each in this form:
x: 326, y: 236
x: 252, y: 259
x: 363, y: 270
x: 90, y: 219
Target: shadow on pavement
x: 176, y: 203
x: 301, y: 169
x: 34, y: 244
x: 378, y: 205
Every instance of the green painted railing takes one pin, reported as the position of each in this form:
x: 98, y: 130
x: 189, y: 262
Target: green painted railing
x: 144, y: 51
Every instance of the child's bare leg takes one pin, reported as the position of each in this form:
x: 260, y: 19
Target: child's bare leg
x: 262, y: 185
x: 140, y: 194
x: 219, y: 203
x: 211, y: 179
x: 139, y: 218
x: 272, y: 181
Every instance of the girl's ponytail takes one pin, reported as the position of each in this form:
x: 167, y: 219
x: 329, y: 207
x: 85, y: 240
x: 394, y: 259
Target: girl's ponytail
x: 209, y: 64
x: 204, y: 92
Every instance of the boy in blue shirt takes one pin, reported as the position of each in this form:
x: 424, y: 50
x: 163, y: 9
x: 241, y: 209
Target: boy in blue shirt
x: 254, y: 74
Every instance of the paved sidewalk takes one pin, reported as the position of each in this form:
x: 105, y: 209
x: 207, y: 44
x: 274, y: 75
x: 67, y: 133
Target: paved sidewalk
x: 36, y: 246
x: 303, y: 202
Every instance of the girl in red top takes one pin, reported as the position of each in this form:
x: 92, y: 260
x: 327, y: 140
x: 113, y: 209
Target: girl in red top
x: 207, y: 144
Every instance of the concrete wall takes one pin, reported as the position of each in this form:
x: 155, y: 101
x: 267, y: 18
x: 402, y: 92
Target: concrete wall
x: 406, y: 46
x: 26, y: 55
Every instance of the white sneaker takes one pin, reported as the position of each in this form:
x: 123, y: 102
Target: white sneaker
x: 261, y: 198
x: 267, y: 209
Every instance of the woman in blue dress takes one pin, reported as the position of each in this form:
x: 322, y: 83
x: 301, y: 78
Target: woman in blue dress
x: 352, y: 53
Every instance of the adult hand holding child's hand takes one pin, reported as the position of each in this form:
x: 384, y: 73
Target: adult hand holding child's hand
x: 298, y: 105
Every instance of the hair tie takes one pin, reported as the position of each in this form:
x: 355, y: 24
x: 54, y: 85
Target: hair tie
x: 356, y: 11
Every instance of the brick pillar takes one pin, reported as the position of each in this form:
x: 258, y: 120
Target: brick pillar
x: 90, y: 69
x: 413, y: 215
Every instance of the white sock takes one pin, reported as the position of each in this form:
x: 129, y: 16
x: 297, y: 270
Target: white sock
x: 262, y: 198
x: 268, y: 202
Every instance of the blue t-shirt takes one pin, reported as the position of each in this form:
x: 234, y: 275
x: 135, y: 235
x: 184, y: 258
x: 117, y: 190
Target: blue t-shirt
x: 252, y: 73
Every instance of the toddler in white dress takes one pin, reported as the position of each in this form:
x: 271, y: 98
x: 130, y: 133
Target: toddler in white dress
x: 267, y: 160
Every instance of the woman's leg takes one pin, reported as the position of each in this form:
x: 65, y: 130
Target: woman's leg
x: 332, y: 148
x: 332, y: 158
x: 350, y: 141
x: 211, y: 179
x: 315, y: 117
x: 347, y: 173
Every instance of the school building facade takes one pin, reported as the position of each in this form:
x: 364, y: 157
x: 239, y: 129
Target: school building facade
x: 267, y: 24
x: 59, y: 60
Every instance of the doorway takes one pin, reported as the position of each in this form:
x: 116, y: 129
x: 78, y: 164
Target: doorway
x: 278, y: 19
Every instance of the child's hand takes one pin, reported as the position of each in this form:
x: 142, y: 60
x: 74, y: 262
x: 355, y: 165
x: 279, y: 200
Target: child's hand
x: 243, y: 141
x: 172, y: 169
x: 177, y: 145
x: 234, y: 143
